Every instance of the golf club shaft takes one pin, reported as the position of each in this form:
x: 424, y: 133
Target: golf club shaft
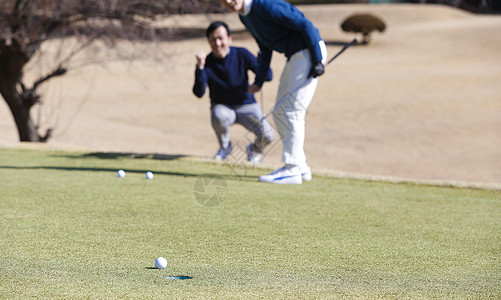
x: 346, y: 46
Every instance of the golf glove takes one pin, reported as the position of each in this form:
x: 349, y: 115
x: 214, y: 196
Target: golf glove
x: 317, y: 69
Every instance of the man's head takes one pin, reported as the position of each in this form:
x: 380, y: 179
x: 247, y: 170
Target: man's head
x: 219, y: 36
x: 234, y: 5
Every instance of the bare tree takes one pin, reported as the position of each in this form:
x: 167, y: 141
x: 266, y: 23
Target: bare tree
x: 26, y: 24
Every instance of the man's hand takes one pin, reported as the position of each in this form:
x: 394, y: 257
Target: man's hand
x: 317, y: 69
x: 201, y: 59
x: 254, y: 89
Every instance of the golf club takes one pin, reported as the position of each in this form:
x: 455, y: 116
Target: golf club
x: 346, y: 46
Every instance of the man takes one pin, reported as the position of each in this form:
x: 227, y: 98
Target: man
x: 278, y: 25
x: 225, y: 71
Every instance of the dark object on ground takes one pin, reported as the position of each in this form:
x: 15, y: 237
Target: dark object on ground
x: 364, y: 24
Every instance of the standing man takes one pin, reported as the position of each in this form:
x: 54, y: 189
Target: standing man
x: 278, y: 25
x: 225, y: 71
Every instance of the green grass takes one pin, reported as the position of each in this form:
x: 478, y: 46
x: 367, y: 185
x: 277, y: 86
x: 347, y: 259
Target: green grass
x: 70, y: 228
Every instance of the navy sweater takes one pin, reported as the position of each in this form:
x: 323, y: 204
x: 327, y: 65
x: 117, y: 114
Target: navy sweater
x: 227, y: 78
x: 280, y: 26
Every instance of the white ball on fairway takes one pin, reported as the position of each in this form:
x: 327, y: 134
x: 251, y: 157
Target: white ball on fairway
x: 149, y: 175
x: 121, y: 173
x: 160, y: 263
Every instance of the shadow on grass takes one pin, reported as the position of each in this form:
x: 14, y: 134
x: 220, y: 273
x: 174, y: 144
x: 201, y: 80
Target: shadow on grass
x: 237, y: 172
x: 93, y: 169
x: 115, y: 155
x: 232, y: 177
x: 136, y: 171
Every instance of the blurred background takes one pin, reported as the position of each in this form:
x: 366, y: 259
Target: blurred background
x: 475, y: 6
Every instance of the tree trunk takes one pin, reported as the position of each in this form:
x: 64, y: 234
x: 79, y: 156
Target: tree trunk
x: 11, y: 68
x: 20, y: 112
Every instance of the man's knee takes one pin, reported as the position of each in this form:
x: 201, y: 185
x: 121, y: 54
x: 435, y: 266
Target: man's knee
x: 222, y: 116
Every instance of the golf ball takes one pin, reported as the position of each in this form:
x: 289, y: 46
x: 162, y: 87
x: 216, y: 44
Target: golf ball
x: 160, y: 263
x: 149, y: 175
x: 121, y: 173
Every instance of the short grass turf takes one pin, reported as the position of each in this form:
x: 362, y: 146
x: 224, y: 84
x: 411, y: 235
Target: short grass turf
x: 71, y: 228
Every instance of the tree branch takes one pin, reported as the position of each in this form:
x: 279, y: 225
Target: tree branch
x: 57, y: 72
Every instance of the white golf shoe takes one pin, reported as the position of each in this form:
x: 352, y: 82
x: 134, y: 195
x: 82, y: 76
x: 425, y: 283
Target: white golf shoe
x: 286, y: 175
x: 306, y: 174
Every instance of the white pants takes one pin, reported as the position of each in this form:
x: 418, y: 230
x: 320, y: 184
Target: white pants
x: 295, y: 93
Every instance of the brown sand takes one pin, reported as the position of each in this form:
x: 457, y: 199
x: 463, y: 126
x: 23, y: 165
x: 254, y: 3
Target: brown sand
x: 422, y: 101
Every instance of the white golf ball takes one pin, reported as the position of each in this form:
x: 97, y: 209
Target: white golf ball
x: 149, y: 175
x: 121, y: 173
x: 160, y: 263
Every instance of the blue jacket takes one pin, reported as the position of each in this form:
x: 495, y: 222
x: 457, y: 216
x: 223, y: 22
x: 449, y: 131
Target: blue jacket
x: 280, y: 26
x: 227, y: 78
